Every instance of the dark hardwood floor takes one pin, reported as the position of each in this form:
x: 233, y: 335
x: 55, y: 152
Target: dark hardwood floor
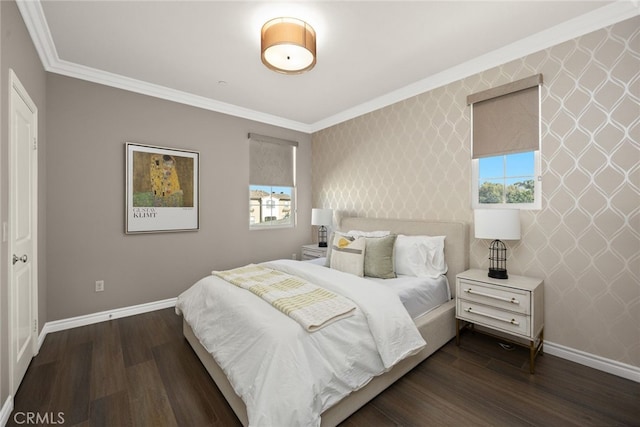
x: 139, y: 371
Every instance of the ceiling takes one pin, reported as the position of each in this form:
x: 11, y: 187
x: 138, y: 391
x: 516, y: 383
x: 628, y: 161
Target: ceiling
x: 370, y: 54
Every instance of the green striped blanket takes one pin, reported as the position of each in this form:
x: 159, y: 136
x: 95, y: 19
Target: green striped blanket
x: 310, y: 305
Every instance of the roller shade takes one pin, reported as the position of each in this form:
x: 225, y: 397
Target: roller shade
x: 272, y: 161
x: 506, y: 119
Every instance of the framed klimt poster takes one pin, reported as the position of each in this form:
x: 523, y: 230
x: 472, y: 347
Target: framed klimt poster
x: 162, y: 189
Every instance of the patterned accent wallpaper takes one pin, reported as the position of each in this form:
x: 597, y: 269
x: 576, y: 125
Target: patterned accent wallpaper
x: 412, y: 160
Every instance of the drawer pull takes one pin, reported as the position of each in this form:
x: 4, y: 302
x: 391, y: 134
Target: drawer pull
x: 511, y: 321
x: 482, y: 294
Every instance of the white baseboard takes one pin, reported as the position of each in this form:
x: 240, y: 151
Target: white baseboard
x: 600, y: 363
x: 5, y: 411
x: 591, y: 360
x: 89, y: 319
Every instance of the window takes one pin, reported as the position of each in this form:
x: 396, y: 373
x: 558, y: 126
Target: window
x: 506, y: 145
x: 272, y: 182
x: 270, y: 206
x: 507, y: 180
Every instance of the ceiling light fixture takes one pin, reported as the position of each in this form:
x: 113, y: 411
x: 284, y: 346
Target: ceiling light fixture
x: 288, y: 45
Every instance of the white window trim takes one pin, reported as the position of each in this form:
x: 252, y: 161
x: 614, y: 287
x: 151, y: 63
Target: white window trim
x: 293, y: 202
x: 263, y: 225
x: 475, y: 168
x: 537, y: 189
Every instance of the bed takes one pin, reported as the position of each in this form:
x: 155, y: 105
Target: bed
x: 436, y: 326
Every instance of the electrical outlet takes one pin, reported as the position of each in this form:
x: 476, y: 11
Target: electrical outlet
x: 294, y: 256
x: 99, y: 285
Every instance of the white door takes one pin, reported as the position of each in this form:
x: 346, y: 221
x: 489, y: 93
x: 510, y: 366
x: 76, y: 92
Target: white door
x: 23, y: 274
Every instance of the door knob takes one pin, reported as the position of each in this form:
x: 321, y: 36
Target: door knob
x: 23, y: 258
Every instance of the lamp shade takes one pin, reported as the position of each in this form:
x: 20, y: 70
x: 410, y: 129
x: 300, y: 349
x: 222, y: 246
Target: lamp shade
x: 501, y: 224
x: 321, y: 217
x: 288, y: 45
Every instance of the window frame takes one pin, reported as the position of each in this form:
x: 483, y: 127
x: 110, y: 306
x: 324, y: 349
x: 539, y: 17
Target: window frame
x: 269, y: 225
x: 501, y: 108
x: 537, y: 188
x: 269, y: 169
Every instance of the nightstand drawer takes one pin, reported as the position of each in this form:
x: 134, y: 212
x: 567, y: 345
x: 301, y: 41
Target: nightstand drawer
x: 495, y: 318
x: 313, y: 252
x: 495, y: 296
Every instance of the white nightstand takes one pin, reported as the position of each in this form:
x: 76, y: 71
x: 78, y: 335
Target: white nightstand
x: 313, y: 251
x: 513, y: 306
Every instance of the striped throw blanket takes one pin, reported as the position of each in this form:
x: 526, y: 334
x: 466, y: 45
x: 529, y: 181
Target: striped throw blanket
x: 311, y: 306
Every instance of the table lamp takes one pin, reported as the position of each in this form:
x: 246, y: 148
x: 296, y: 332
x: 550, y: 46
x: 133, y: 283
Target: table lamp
x: 497, y: 224
x: 322, y: 218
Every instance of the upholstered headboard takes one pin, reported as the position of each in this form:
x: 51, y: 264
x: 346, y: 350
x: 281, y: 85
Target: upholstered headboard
x: 456, y: 244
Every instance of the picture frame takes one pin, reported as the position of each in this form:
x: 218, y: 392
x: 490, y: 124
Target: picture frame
x: 162, y: 189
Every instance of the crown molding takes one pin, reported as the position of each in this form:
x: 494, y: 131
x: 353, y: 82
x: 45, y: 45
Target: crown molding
x: 145, y: 88
x: 600, y: 18
x: 36, y: 23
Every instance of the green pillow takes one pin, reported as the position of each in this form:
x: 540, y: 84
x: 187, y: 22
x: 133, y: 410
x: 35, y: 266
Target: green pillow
x: 378, y: 257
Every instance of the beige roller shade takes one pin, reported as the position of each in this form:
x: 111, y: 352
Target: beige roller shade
x: 506, y: 119
x: 272, y: 161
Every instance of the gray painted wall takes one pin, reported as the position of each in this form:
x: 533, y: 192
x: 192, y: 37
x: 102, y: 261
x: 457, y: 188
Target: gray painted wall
x: 18, y: 53
x: 87, y: 127
x: 82, y: 131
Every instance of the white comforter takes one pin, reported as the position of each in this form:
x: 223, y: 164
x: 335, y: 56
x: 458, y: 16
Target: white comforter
x: 285, y: 375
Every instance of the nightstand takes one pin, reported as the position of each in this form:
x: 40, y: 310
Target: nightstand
x: 512, y: 306
x: 313, y: 251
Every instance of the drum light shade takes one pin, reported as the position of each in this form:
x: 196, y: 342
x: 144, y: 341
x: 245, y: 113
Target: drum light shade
x: 288, y: 45
x: 503, y: 224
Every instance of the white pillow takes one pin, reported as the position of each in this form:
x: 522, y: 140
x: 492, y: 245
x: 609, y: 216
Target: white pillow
x: 347, y: 254
x: 359, y: 233
x: 420, y: 256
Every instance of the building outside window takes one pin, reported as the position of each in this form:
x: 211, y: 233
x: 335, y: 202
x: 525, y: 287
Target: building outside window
x: 272, y: 188
x: 270, y: 206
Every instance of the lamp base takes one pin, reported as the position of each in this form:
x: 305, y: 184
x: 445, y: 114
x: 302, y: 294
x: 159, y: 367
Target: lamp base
x: 498, y: 273
x: 322, y: 236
